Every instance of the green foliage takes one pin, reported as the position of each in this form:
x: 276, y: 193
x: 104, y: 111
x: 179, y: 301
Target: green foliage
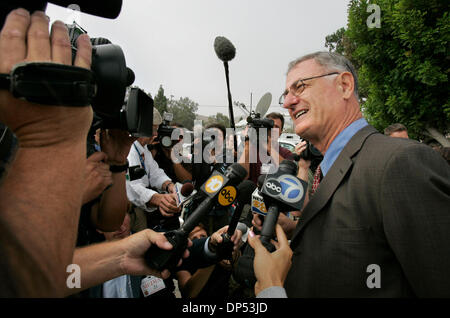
x: 183, y: 111
x: 403, y: 66
x: 160, y: 101
x: 219, y: 118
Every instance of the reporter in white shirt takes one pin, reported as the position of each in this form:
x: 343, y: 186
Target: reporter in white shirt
x: 138, y: 191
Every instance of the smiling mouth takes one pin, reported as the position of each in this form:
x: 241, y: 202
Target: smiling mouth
x: 300, y: 113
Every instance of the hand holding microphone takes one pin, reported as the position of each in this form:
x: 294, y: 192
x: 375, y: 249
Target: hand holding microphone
x: 271, y: 268
x: 217, y: 189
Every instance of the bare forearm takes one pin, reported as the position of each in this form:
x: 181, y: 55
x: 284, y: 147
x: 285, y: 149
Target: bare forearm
x: 98, y: 263
x: 181, y: 173
x: 40, y: 201
x: 113, y: 205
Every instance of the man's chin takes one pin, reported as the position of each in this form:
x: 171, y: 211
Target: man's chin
x: 301, y: 131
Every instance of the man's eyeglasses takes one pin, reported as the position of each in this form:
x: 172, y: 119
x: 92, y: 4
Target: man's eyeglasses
x: 298, y: 87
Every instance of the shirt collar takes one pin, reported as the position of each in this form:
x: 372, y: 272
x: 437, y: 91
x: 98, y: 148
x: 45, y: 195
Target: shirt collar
x: 339, y: 143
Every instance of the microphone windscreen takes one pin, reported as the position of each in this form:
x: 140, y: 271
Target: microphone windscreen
x: 225, y: 50
x: 187, y: 189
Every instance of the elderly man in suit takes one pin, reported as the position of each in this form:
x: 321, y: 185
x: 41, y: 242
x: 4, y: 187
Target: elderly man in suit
x: 378, y: 224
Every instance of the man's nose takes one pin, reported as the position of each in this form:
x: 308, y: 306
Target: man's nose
x: 290, y: 101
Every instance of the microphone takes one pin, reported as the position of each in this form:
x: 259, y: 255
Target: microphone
x: 218, y: 189
x: 282, y: 191
x: 187, y: 189
x: 184, y: 192
x: 225, y: 50
x: 244, y: 190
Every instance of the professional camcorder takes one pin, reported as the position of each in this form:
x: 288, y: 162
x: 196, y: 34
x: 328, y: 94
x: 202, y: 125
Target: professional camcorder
x: 165, y: 131
x: 255, y: 121
x: 116, y: 105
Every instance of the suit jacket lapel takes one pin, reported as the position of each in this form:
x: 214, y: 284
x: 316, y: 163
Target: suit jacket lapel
x: 334, y: 177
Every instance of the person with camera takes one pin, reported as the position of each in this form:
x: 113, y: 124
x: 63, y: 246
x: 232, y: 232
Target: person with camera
x: 162, y: 153
x: 159, y: 205
x: 252, y: 145
x: 105, y: 200
x: 41, y: 191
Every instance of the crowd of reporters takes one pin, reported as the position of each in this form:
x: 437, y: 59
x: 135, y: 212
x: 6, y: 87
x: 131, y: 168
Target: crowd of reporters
x: 115, y: 201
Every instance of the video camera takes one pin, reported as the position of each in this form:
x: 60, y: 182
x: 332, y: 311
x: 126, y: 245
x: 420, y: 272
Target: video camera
x: 116, y: 105
x: 165, y: 131
x: 255, y: 121
x: 311, y: 153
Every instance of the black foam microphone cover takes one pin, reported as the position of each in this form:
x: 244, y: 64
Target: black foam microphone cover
x: 225, y: 50
x: 187, y: 189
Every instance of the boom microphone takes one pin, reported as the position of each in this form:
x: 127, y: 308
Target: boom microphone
x: 225, y: 50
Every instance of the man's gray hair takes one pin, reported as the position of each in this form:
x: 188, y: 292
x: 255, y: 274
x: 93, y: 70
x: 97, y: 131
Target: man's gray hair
x: 331, y: 62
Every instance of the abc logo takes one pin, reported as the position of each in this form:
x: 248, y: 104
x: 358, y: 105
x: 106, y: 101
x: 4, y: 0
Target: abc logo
x: 291, y: 189
x: 273, y: 187
x: 227, y: 196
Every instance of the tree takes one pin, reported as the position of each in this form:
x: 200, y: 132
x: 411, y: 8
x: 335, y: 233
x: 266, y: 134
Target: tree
x: 219, y: 118
x: 183, y: 111
x: 403, y: 65
x: 160, y: 101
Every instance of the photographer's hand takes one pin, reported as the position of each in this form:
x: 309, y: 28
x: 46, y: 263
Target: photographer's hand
x: 109, y: 214
x: 116, y: 144
x: 26, y: 38
x: 303, y: 165
x: 40, y: 197
x: 97, y: 176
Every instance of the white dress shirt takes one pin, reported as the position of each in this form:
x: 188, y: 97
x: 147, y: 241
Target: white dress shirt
x: 137, y: 190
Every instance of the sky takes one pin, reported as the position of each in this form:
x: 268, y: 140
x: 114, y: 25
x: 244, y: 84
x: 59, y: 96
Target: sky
x: 171, y: 43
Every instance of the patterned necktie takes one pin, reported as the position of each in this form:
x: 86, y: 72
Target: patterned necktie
x: 317, y: 178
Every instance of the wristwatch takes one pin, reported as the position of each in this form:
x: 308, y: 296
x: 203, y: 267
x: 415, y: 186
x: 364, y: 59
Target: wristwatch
x: 121, y: 168
x: 167, y: 186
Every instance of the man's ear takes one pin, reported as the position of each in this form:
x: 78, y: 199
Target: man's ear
x: 346, y: 84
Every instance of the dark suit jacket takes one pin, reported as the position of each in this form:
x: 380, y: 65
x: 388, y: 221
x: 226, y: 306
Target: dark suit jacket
x: 385, y: 201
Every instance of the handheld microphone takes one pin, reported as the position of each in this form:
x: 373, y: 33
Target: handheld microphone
x: 184, y: 192
x: 217, y: 189
x: 244, y: 195
x: 282, y: 191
